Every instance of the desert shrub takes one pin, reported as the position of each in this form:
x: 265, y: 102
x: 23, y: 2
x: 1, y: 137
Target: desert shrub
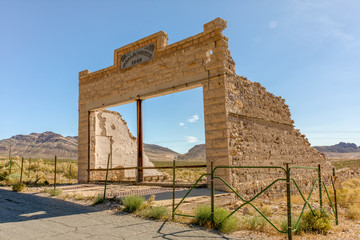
x: 99, y: 199
x: 132, y: 203
x: 320, y: 223
x: 353, y: 212
x: 156, y: 213
x: 284, y: 225
x: 203, y: 218
x: 348, y: 194
x: 53, y: 192
x: 18, y: 187
x: 71, y: 171
x: 266, y: 210
x: 255, y: 223
x: 4, y: 174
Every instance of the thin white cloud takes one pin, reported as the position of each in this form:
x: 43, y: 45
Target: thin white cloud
x: 181, y: 124
x: 273, y: 24
x: 191, y: 139
x: 193, y: 119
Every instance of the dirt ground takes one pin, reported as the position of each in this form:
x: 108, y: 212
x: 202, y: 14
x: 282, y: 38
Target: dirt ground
x: 84, y: 194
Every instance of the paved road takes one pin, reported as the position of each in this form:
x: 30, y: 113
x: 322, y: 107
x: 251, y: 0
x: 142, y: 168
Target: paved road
x: 27, y: 216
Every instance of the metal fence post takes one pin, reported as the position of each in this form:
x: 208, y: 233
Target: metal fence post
x: 10, y: 161
x: 336, y: 209
x: 320, y: 194
x: 21, y: 173
x: 29, y: 169
x: 212, y: 195
x: 288, y: 195
x: 173, y: 193
x: 55, y: 174
x: 106, y: 177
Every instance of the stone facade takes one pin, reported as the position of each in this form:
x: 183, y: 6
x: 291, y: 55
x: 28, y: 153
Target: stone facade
x: 244, y: 124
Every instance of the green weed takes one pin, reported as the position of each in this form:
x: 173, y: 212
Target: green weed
x: 223, y: 224
x: 132, y: 203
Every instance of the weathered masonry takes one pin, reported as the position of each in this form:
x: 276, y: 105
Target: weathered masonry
x: 244, y: 124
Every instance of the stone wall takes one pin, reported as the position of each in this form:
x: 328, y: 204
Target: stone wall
x: 244, y: 124
x: 110, y: 135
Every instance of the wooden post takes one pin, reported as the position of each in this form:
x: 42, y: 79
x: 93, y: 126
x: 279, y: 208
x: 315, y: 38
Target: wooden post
x: 140, y: 176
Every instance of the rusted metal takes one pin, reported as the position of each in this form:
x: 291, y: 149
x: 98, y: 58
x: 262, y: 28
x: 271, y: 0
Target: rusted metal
x: 106, y: 178
x: 320, y: 190
x: 173, y: 192
x: 22, y: 167
x: 127, y: 168
x: 140, y: 176
x: 288, y: 201
x: 336, y: 209
x: 88, y: 143
x: 55, y: 174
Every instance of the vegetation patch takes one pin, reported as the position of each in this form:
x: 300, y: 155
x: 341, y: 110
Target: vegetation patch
x: 53, y: 192
x: 18, y: 187
x: 99, y: 199
x: 254, y: 223
x: 319, y: 223
x: 284, y: 225
x: 349, y: 194
x: 221, y: 221
x: 132, y: 203
x: 190, y: 174
x: 156, y: 213
x: 346, y: 163
x: 353, y: 213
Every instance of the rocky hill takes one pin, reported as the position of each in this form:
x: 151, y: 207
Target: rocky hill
x: 197, y: 153
x: 40, y: 145
x: 158, y: 153
x: 340, y: 150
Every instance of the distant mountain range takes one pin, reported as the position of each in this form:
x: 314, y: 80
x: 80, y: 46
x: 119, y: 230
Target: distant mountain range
x: 40, y: 145
x: 339, y: 148
x: 340, y: 151
x: 49, y: 144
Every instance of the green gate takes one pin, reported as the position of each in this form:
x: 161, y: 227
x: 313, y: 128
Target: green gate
x: 287, y: 174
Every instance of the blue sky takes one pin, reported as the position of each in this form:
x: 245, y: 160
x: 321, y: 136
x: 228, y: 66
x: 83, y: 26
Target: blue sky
x: 308, y: 52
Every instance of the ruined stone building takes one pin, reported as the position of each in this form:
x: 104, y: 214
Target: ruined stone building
x: 244, y: 124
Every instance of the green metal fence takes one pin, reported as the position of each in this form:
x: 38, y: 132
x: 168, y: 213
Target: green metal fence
x: 288, y: 179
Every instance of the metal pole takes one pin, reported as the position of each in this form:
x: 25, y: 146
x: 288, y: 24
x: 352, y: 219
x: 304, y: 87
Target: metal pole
x: 22, y: 166
x: 288, y: 194
x: 29, y: 168
x: 10, y: 160
x: 139, y: 140
x: 320, y: 195
x: 106, y: 177
x: 88, y: 145
x: 55, y: 174
x: 173, y: 193
x: 336, y: 209
x: 212, y: 195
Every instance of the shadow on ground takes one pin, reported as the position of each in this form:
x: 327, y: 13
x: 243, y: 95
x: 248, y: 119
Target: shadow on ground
x: 15, y: 207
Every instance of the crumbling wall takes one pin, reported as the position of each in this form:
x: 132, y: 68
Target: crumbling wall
x: 261, y: 133
x: 110, y: 135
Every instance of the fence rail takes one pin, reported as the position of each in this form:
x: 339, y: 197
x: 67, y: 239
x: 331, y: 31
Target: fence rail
x: 288, y: 179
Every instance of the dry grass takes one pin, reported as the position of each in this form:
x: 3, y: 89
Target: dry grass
x: 349, y: 193
x: 38, y: 171
x: 189, y: 174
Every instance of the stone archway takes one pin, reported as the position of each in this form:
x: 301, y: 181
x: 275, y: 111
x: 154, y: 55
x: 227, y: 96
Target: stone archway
x: 244, y: 124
